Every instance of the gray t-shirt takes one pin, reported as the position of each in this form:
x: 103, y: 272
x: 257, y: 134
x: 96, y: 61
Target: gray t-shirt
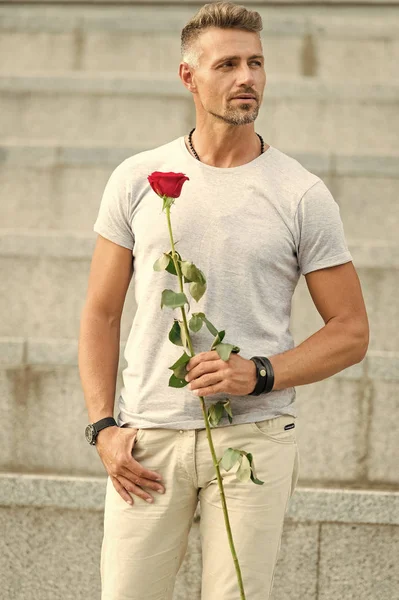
x: 252, y: 230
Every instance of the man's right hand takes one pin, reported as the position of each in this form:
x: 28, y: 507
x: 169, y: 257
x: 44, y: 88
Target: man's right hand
x: 114, y: 445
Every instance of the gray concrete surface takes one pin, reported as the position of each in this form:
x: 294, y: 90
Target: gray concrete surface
x: 57, y: 521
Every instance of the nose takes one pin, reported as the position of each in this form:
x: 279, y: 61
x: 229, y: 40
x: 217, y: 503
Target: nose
x: 245, y: 76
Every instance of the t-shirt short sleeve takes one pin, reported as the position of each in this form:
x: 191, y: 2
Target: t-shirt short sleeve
x: 319, y: 232
x: 113, y: 220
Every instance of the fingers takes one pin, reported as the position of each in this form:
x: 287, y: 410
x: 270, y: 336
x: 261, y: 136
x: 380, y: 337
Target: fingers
x: 124, y: 485
x: 128, y: 475
x: 210, y: 383
x: 134, y: 468
x: 210, y: 390
x: 213, y: 372
x: 139, y: 475
x: 207, y: 356
x: 121, y: 490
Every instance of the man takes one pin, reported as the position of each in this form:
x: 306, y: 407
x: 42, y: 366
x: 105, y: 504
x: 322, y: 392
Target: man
x: 253, y: 219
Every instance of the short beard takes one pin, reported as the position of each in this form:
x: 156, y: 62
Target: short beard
x: 233, y: 116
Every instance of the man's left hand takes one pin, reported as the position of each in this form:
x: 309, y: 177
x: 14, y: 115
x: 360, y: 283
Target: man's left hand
x: 209, y: 374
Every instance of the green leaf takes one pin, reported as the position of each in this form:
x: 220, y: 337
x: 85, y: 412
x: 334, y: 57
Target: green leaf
x: 173, y: 299
x: 195, y: 322
x: 177, y: 383
x: 171, y: 267
x: 192, y: 273
x: 211, y: 327
x: 180, y: 372
x: 253, y: 474
x: 211, y: 416
x: 201, y: 276
x: 215, y: 413
x: 162, y: 262
x: 229, y: 458
x: 224, y: 350
x: 197, y: 290
x: 227, y: 408
x: 243, y: 473
x: 179, y: 368
x: 182, y: 360
x: 218, y: 339
x: 174, y: 334
x: 255, y: 480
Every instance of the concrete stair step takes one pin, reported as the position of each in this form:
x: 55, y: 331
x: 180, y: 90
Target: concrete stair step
x: 325, y: 42
x: 309, y: 503
x: 46, y: 186
x: 41, y: 394
x: 69, y: 106
x: 333, y: 542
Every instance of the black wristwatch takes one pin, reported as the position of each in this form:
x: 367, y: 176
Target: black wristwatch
x: 92, y: 430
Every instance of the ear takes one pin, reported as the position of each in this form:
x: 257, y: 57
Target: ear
x: 187, y: 76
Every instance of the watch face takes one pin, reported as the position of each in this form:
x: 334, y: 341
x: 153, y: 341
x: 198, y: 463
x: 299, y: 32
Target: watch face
x: 89, y: 432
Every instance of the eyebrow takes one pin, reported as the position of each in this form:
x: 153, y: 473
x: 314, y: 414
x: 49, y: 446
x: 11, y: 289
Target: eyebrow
x: 224, y: 58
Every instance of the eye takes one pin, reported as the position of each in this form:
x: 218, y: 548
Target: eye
x: 229, y: 63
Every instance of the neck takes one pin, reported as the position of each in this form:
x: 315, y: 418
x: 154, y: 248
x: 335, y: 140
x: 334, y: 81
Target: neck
x: 225, y: 149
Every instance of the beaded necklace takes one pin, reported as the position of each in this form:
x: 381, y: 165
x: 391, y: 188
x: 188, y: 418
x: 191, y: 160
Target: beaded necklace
x: 198, y: 158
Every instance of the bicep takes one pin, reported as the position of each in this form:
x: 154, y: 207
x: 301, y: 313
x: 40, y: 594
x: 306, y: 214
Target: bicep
x: 336, y: 293
x: 111, y: 271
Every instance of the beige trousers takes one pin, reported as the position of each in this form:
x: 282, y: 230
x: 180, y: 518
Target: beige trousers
x: 144, y: 544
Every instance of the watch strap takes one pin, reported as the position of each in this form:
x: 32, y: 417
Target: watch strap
x: 103, y: 423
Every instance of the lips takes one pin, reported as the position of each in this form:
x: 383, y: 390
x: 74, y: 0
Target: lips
x: 245, y: 97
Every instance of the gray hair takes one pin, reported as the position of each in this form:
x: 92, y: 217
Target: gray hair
x: 225, y: 15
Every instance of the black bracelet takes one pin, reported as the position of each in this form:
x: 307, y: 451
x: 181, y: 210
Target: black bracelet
x: 270, y: 374
x: 261, y: 377
x: 264, y: 375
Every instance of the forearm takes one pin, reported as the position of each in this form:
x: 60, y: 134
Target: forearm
x: 98, y: 363
x: 333, y: 348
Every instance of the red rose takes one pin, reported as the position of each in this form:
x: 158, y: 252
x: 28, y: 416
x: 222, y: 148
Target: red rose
x: 167, y: 184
